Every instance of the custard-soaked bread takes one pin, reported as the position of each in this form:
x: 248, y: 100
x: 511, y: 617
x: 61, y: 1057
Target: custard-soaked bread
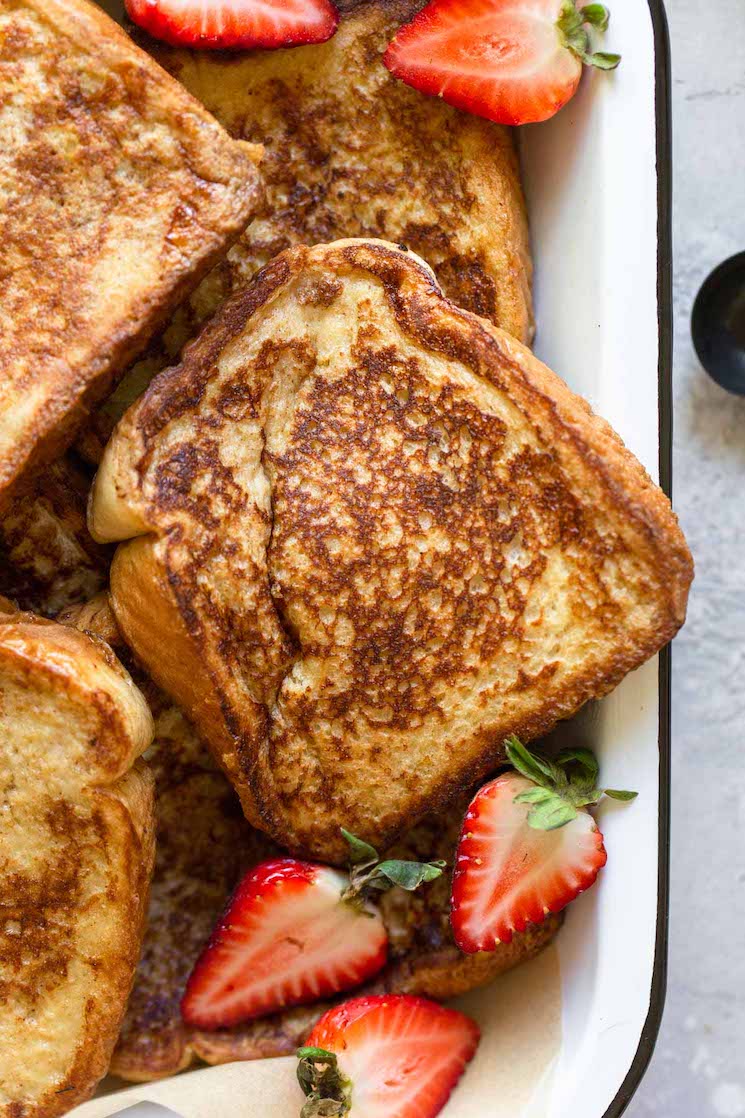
x: 76, y: 853
x: 48, y: 560
x: 118, y: 191
x: 352, y: 152
x: 204, y: 845
x: 374, y: 537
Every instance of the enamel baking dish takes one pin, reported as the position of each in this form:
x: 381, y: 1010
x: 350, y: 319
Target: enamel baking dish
x: 572, y: 1033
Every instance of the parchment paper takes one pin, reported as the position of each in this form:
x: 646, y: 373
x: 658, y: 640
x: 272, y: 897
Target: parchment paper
x: 510, y: 1076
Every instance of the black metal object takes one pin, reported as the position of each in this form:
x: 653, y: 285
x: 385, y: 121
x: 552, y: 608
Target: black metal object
x: 718, y: 324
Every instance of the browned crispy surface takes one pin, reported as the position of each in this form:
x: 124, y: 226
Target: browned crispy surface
x: 203, y: 846
x: 350, y: 151
x: 118, y: 192
x: 48, y: 560
x: 76, y: 853
x: 374, y: 536
x: 423, y: 958
x: 196, y: 868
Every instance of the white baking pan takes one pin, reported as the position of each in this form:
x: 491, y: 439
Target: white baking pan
x: 572, y: 1033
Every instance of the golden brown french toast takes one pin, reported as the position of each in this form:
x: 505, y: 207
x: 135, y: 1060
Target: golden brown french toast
x: 369, y: 536
x: 204, y: 844
x: 197, y: 867
x: 48, y: 560
x: 76, y: 853
x: 119, y: 192
x: 351, y: 152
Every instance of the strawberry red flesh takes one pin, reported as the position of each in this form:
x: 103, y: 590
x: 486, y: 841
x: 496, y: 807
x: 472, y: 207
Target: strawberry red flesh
x: 286, y: 938
x: 508, y: 874
x: 400, y: 1055
x: 502, y: 59
x: 235, y: 24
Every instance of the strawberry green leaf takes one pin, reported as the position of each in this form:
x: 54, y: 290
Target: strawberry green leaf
x: 551, y: 815
x: 359, y: 852
x: 575, y: 37
x: 327, y: 1090
x: 316, y: 1055
x: 534, y: 796
x: 368, y: 875
x: 601, y: 60
x: 561, y: 787
x: 591, y: 797
x: 596, y: 794
x: 597, y: 15
x: 407, y: 875
x: 583, y: 762
x: 530, y: 765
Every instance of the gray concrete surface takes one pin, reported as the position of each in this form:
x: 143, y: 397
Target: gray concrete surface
x: 699, y: 1066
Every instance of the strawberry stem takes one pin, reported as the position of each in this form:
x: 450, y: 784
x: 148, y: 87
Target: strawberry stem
x: 327, y: 1091
x: 576, y: 38
x: 562, y: 786
x: 367, y: 874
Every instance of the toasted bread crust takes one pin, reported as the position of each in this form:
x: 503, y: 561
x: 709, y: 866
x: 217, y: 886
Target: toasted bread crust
x: 77, y: 842
x: 445, y: 976
x: 48, y: 560
x: 563, y: 519
x: 198, y: 866
x: 443, y: 182
x: 194, y: 876
x: 153, y: 595
x: 121, y: 192
x: 352, y: 152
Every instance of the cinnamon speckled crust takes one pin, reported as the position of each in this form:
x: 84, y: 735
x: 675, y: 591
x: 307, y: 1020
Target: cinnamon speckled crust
x: 204, y: 845
x: 76, y: 851
x: 119, y: 191
x: 197, y: 867
x: 349, y: 151
x: 48, y: 560
x: 352, y: 152
x: 375, y: 536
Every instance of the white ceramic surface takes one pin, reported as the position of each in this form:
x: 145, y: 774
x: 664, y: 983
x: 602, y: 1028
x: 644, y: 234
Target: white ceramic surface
x: 591, y: 179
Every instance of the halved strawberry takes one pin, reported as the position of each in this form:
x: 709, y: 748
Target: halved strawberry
x: 235, y: 24
x: 294, y: 932
x: 513, y: 61
x: 528, y: 846
x: 385, y: 1056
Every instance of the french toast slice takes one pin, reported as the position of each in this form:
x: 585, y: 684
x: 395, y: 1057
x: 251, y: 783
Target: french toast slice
x: 369, y: 536
x: 76, y: 853
x: 119, y: 192
x: 349, y: 151
x: 203, y: 846
x: 48, y: 560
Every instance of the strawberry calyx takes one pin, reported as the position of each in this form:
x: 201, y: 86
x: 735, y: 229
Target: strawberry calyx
x: 576, y: 38
x: 368, y: 874
x: 562, y: 785
x: 327, y: 1091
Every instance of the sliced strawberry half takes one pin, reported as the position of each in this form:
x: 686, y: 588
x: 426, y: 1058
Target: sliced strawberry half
x: 513, y: 61
x: 388, y: 1055
x: 528, y: 846
x: 295, y: 932
x: 285, y: 939
x: 235, y: 24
